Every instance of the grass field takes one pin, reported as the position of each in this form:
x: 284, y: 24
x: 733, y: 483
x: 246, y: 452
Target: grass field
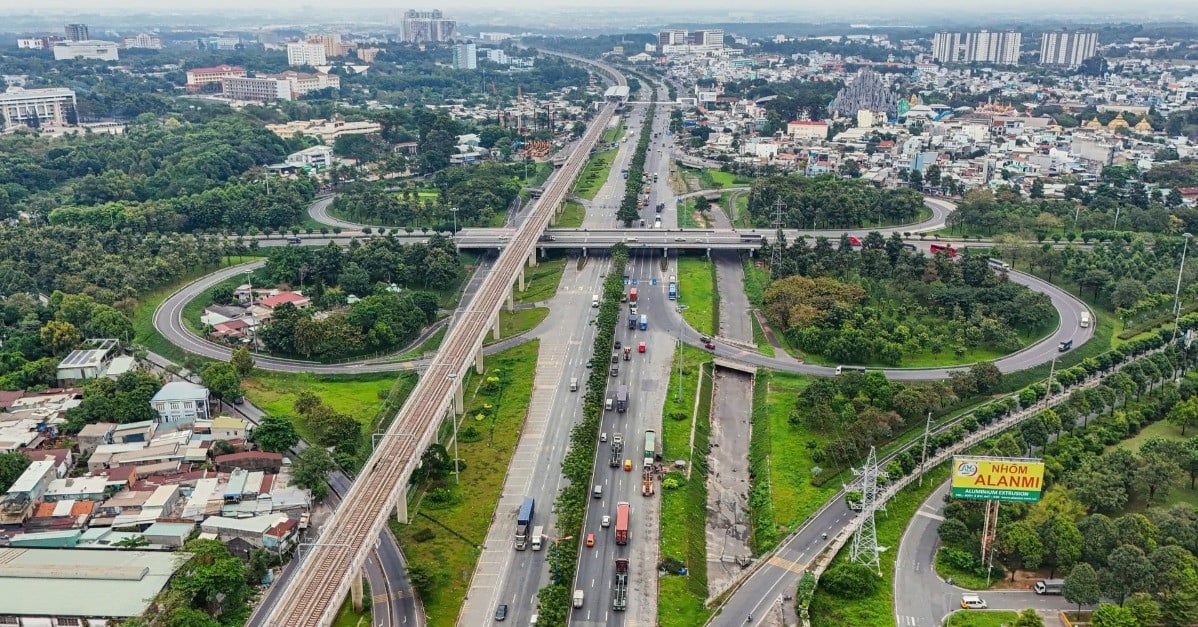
x: 347, y: 617
x: 517, y: 322
x: 443, y: 538
x: 427, y: 346
x: 684, y: 509
x: 688, y: 218
x: 877, y: 610
x: 359, y: 396
x: 571, y: 216
x: 695, y: 290
x: 975, y: 618
x: 540, y: 282
x: 594, y: 174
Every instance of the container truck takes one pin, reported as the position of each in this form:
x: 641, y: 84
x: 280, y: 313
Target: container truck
x: 622, y: 398
x: 622, y: 523
x: 619, y: 599
x: 523, y: 520
x: 1050, y: 586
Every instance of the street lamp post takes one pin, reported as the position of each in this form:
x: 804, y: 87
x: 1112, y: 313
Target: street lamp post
x: 1177, y: 291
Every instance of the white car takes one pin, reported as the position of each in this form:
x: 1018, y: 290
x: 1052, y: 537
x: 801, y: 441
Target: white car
x: 605, y: 521
x: 973, y: 602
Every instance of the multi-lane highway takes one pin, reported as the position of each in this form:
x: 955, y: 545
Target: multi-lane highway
x: 328, y: 571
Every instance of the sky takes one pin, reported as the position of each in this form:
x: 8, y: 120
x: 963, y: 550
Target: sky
x: 856, y: 10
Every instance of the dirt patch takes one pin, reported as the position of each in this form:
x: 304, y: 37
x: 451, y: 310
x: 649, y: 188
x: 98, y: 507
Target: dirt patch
x: 1024, y: 580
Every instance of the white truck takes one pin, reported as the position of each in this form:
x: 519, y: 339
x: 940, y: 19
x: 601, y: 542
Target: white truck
x: 538, y: 534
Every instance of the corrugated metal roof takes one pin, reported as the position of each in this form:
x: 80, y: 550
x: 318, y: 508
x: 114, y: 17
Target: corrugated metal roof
x: 74, y: 582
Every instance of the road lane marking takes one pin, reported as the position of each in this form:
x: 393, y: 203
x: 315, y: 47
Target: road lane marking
x: 793, y: 567
x: 927, y: 514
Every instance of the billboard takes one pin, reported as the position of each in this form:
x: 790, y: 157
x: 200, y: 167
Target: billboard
x: 997, y: 479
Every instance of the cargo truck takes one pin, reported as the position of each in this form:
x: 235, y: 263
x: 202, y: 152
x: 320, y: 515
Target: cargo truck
x: 647, y: 481
x: 632, y: 295
x: 650, y: 447
x: 619, y: 599
x: 538, y: 534
x: 523, y: 520
x: 644, y: 322
x: 632, y: 321
x: 617, y: 449
x: 622, y: 523
x: 622, y: 398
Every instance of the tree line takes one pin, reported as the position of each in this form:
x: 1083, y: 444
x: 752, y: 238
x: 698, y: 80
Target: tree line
x: 829, y: 201
x: 479, y: 193
x: 887, y: 302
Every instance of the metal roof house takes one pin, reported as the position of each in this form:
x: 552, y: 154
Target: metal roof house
x: 87, y: 363
x: 181, y: 403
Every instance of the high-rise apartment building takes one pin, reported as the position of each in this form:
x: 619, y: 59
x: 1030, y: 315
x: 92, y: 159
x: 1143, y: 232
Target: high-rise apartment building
x: 709, y: 38
x: 1068, y: 48
x: 305, y: 53
x: 426, y: 26
x: 21, y: 107
x: 671, y: 38
x: 977, y: 47
x: 77, y: 32
x: 333, y: 46
x: 681, y: 41
x: 465, y: 57
x: 256, y: 89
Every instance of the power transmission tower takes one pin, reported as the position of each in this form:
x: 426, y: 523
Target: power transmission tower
x: 779, y: 239
x: 865, y: 541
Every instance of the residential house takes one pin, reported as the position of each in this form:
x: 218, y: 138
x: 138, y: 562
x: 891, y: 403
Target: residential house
x: 26, y: 492
x: 251, y: 460
x: 77, y: 489
x: 181, y: 403
x: 94, y: 435
x: 87, y: 363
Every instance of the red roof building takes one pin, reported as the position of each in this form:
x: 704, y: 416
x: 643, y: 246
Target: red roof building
x: 295, y: 298
x: 198, y: 77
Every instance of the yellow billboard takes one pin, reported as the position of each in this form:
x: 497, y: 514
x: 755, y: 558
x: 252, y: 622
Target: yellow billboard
x: 997, y: 479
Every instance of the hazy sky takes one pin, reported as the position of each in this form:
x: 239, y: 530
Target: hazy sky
x: 766, y: 10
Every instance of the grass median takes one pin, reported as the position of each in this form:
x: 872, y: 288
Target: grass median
x: 571, y: 216
x: 684, y: 507
x: 517, y: 322
x: 541, y: 281
x: 696, y: 278
x: 450, y: 522
x: 594, y: 174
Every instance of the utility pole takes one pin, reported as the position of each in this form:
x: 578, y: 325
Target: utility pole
x: 865, y: 542
x: 776, y: 256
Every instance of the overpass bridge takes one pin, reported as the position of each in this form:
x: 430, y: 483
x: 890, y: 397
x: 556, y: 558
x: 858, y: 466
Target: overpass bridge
x: 331, y: 567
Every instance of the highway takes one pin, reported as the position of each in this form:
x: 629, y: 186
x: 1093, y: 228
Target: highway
x: 325, y: 573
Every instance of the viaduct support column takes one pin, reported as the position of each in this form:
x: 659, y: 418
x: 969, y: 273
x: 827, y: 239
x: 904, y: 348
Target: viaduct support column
x: 709, y: 254
x: 478, y: 360
x: 495, y: 329
x: 355, y: 591
x: 401, y: 506
x: 520, y: 279
x: 459, y: 397
x: 511, y: 305
x: 532, y: 259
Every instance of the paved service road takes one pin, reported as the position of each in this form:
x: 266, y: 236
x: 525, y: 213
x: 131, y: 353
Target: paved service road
x: 921, y: 597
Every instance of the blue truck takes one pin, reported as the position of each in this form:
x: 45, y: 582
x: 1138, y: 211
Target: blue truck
x: 644, y: 322
x: 673, y: 290
x: 632, y: 322
x: 523, y: 520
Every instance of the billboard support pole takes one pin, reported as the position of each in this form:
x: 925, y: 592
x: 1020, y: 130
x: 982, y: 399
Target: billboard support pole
x: 927, y: 430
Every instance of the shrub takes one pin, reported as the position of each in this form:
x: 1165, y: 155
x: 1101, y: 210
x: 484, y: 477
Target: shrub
x: 850, y: 581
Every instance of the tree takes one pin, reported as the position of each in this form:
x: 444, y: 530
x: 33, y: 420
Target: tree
x: 1183, y: 414
x: 242, y: 361
x: 1157, y: 475
x: 212, y: 579
x: 1128, y: 570
x: 221, y: 378
x: 985, y: 375
x: 60, y: 337
x: 305, y: 402
x: 1110, y: 615
x: 1029, y: 617
x: 1081, y: 586
x: 1062, y: 542
x: 851, y: 581
x: 1020, y: 547
x: 12, y: 465
x: 1144, y: 608
x: 311, y: 470
x: 106, y: 322
x: 275, y: 434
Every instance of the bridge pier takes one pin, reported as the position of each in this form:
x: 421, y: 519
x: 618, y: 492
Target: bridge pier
x: 401, y: 506
x: 709, y: 254
x: 511, y: 305
x: 544, y: 251
x: 495, y: 329
x: 665, y: 252
x: 355, y: 591
x: 532, y: 259
x: 459, y: 397
x: 520, y: 279
x: 478, y: 360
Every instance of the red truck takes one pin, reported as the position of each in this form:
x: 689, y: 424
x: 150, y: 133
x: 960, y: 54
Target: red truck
x: 622, y: 523
x: 632, y: 295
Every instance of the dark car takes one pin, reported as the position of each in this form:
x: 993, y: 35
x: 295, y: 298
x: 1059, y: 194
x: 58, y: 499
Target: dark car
x: 618, y: 344
x: 294, y: 240
x: 501, y: 612
x: 710, y: 345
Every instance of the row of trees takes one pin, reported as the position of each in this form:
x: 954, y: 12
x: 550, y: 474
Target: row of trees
x: 357, y: 269
x: 829, y: 202
x: 887, y: 302
x: 375, y: 323
x: 1005, y: 210
x: 628, y: 212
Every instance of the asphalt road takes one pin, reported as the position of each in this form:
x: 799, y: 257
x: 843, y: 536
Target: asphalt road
x: 921, y: 597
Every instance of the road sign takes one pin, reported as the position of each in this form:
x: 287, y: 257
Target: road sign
x: 997, y: 479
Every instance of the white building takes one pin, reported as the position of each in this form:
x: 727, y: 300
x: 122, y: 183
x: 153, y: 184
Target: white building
x: 465, y: 57
x: 257, y: 89
x: 1068, y: 48
x: 89, y: 49
x: 304, y: 53
x: 318, y: 157
x: 180, y: 402
x: 143, y: 40
x: 496, y: 55
x: 977, y: 47
x: 54, y: 105
x: 426, y: 26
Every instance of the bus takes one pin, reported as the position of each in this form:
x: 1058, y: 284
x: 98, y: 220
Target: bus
x: 750, y: 237
x: 944, y: 249
x: 843, y: 369
x: 998, y: 264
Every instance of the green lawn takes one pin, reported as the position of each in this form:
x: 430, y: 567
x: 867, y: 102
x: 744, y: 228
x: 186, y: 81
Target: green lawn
x: 347, y: 617
x: 786, y: 479
x: 688, y: 218
x: 684, y: 509
x: 614, y: 133
x: 594, y: 174
x: 143, y: 316
x: 428, y: 542
x: 877, y: 610
x: 696, y: 278
x: 740, y: 212
x: 360, y: 396
x: 986, y: 618
x: 540, y: 282
x: 712, y: 178
x: 571, y: 216
x: 517, y: 322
